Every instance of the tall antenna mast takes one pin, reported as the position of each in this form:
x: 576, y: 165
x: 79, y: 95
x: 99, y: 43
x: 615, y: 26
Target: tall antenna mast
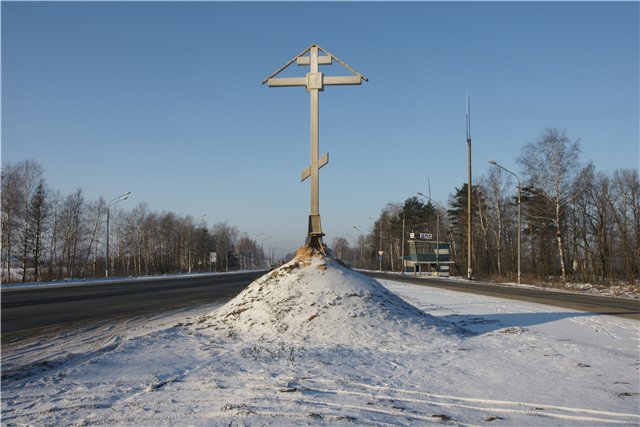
x: 468, y: 118
x: 469, y: 211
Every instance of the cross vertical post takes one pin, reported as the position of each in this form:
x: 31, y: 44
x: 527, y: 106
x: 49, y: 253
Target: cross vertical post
x: 315, y: 227
x: 314, y: 82
x: 469, y: 195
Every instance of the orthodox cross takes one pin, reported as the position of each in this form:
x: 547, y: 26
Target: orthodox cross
x: 314, y: 82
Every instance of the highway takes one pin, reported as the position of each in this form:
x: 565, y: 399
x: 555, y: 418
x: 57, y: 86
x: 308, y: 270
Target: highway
x: 596, y: 304
x: 34, y: 310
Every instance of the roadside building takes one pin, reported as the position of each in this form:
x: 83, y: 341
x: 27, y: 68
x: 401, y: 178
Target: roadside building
x: 427, y: 256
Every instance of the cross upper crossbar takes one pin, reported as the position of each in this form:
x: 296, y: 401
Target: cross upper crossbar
x: 302, y: 60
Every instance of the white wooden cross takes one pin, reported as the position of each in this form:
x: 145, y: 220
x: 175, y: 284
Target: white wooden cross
x: 314, y: 82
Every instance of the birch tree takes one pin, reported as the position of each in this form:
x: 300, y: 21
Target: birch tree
x: 11, y: 202
x: 37, y: 216
x: 625, y: 204
x: 551, y: 165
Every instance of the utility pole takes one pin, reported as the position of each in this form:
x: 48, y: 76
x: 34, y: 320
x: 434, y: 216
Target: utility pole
x: 120, y: 198
x: 469, y: 212
x: 361, y: 245
x: 403, y: 220
x: 381, y: 251
x: 314, y: 82
x: 493, y: 162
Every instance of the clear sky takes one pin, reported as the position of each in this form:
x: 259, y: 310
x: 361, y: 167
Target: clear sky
x: 165, y: 100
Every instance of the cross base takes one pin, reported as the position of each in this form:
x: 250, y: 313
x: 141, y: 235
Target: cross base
x: 314, y: 235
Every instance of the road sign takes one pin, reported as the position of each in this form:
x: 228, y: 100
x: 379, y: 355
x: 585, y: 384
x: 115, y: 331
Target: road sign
x: 380, y: 253
x: 212, y: 257
x: 422, y: 236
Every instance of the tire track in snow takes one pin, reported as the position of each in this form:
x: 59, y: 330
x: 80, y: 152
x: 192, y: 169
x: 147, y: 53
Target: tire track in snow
x: 310, y: 398
x: 408, y: 415
x: 448, y: 401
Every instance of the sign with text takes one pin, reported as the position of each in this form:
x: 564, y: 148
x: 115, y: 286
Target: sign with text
x: 421, y: 236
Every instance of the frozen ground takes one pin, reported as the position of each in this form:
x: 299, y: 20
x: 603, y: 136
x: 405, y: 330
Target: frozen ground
x: 314, y: 343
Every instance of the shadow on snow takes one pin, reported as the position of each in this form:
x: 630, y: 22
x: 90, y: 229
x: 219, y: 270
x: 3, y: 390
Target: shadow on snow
x: 482, y: 323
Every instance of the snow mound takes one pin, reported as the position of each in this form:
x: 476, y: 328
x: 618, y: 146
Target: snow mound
x: 317, y: 299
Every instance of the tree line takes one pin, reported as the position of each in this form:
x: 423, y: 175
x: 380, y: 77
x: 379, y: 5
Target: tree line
x: 50, y: 236
x: 577, y: 223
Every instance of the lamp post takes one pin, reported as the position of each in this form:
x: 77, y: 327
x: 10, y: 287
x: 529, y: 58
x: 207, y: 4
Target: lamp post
x: 403, y: 221
x: 354, y: 248
x: 204, y: 253
x: 469, y: 191
x: 437, y: 231
x: 256, y: 239
x: 120, y: 198
x: 362, y: 235
x: 262, y: 248
x: 380, y: 252
x: 494, y: 163
x: 190, y: 227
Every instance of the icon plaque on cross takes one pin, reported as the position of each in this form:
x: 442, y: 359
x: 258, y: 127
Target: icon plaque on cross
x: 314, y: 82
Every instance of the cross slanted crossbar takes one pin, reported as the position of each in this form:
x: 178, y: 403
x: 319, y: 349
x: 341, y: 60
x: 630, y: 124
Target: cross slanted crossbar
x: 314, y: 81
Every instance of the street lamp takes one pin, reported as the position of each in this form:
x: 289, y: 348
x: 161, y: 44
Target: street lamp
x: 354, y: 248
x: 362, y: 235
x: 120, y: 198
x: 190, y: 227
x: 469, y: 191
x: 380, y: 252
x: 494, y: 163
x: 262, y: 247
x: 437, y: 231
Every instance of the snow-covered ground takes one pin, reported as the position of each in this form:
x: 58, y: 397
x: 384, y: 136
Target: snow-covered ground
x: 315, y: 343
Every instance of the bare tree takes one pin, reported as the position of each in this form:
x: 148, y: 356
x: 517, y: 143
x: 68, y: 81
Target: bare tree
x: 72, y: 228
x: 625, y: 204
x: 11, y: 203
x: 484, y: 221
x: 495, y: 188
x: 225, y: 237
x: 37, y: 215
x: 137, y: 237
x: 20, y: 182
x: 249, y: 252
x: 340, y: 247
x: 96, y: 212
x: 602, y: 225
x: 55, y: 206
x: 551, y: 165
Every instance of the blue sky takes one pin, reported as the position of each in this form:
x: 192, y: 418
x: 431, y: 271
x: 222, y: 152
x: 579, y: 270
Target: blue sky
x: 165, y: 100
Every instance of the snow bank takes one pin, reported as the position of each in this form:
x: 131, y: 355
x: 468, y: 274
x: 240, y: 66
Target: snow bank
x: 316, y: 299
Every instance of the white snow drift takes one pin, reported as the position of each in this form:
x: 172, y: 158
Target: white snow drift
x: 317, y: 300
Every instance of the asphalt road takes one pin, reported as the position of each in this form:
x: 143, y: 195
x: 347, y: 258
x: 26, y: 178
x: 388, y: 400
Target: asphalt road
x: 596, y: 304
x: 34, y: 310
